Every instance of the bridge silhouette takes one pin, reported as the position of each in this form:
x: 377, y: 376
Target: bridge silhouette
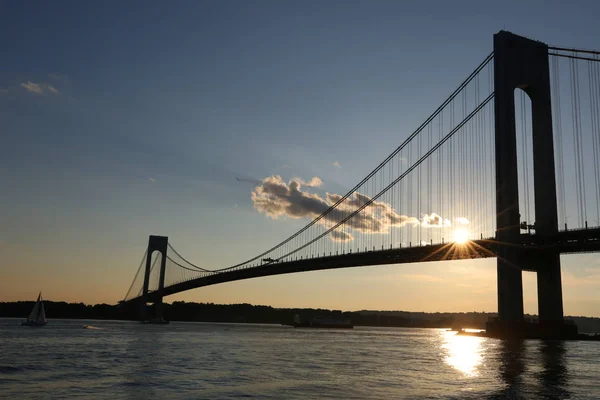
x: 504, y: 162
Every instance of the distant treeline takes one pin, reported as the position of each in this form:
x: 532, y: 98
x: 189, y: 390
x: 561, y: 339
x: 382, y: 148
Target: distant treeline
x: 247, y: 313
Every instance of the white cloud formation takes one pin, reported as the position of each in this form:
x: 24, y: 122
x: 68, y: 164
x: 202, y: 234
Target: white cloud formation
x: 276, y: 198
x: 337, y: 164
x: 434, y: 221
x: 462, y: 220
x: 314, y: 182
x: 39, y: 88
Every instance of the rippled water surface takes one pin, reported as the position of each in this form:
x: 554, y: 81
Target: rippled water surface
x: 125, y: 360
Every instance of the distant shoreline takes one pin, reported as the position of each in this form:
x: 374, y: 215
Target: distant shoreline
x: 247, y: 313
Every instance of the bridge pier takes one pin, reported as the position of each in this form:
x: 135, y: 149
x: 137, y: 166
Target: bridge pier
x: 510, y: 292
x: 158, y: 309
x: 549, y: 284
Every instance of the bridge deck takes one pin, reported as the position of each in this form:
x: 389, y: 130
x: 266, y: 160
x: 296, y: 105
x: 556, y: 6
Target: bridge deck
x: 575, y: 241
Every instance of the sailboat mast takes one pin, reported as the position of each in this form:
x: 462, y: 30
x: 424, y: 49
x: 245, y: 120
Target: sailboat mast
x: 37, y: 317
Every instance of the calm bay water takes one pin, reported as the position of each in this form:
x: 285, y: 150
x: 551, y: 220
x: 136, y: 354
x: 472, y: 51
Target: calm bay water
x: 125, y: 360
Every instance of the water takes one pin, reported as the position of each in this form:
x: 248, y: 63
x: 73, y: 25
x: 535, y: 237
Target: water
x: 125, y: 360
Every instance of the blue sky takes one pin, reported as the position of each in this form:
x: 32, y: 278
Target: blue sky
x: 124, y: 120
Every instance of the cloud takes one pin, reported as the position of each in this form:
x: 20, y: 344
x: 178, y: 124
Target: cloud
x: 434, y: 221
x: 462, y: 220
x: 276, y: 198
x: 341, y: 236
x: 590, y: 277
x: 247, y: 180
x: 422, y: 277
x: 3, y: 91
x: 59, y: 77
x: 314, y: 182
x: 39, y: 88
x: 337, y: 164
x: 152, y: 180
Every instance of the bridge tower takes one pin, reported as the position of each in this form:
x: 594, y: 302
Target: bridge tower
x: 523, y: 63
x: 160, y: 244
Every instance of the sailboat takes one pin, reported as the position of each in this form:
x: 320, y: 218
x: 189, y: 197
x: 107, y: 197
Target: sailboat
x: 37, y: 317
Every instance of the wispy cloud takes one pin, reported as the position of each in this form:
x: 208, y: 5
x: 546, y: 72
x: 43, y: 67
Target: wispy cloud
x: 402, y: 276
x: 337, y: 164
x: 588, y: 279
x: 59, y: 77
x: 39, y: 88
x: 152, y: 180
x: 462, y: 220
x: 3, y: 91
x: 248, y: 180
x: 423, y: 277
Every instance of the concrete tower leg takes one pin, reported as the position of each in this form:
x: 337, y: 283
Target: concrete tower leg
x: 523, y: 63
x: 160, y: 244
x: 510, y: 280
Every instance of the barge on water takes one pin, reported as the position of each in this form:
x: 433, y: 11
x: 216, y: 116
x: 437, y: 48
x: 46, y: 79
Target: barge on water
x: 322, y: 322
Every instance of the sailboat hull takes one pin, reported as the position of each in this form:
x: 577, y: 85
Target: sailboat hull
x: 33, y: 323
x: 155, y: 321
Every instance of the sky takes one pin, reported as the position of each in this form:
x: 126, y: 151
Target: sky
x: 121, y: 120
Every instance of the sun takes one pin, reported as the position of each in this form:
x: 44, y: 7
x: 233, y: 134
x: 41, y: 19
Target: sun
x: 460, y: 236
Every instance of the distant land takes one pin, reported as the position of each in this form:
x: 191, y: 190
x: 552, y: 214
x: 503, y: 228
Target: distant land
x: 247, y: 313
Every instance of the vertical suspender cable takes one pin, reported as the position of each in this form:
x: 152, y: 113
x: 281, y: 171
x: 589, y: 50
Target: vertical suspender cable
x: 575, y: 139
x: 578, y: 142
x: 524, y: 139
x: 419, y: 210
x: 429, y: 171
x: 559, y: 140
x: 440, y: 179
x: 593, y: 84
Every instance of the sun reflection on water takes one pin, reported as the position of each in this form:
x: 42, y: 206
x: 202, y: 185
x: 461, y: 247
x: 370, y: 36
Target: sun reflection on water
x: 463, y: 353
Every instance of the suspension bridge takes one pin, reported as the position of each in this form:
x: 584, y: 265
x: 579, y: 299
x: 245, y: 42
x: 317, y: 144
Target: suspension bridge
x: 507, y: 167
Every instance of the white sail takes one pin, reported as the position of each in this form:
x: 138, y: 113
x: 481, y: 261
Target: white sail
x: 42, y: 315
x: 33, y: 316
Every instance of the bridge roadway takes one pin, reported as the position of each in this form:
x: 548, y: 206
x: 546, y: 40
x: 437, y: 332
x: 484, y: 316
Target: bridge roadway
x: 565, y: 242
